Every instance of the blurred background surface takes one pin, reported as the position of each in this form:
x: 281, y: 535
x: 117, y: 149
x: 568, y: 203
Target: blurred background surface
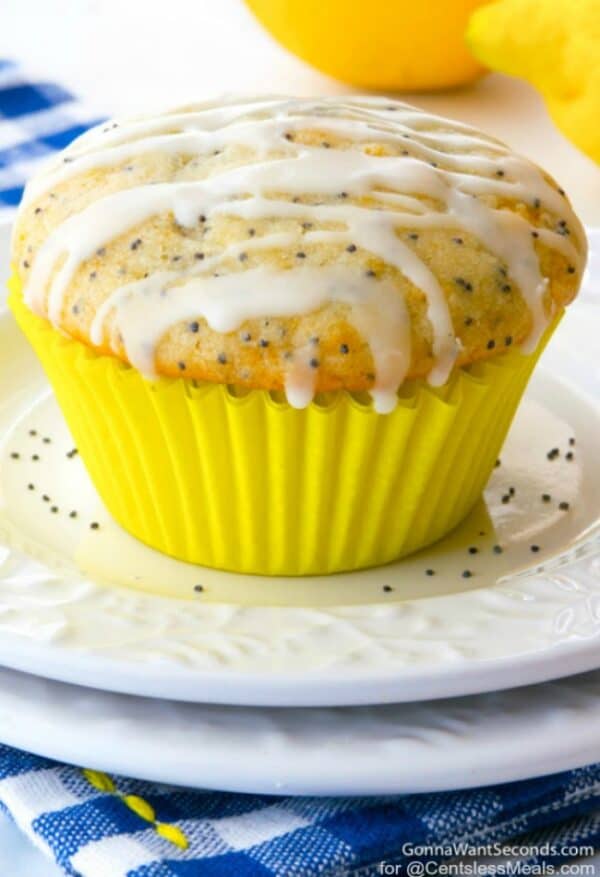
x: 124, y: 55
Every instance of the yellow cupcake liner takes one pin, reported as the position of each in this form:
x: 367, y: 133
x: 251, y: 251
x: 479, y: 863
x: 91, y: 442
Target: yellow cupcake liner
x: 244, y: 482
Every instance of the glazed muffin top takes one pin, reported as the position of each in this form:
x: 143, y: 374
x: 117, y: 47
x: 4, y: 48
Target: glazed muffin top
x: 297, y: 244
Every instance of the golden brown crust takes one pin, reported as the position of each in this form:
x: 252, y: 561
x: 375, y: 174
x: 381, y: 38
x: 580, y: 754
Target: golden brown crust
x: 487, y: 309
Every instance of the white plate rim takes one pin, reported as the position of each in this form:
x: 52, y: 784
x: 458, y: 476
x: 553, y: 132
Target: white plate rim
x: 139, y: 670
x: 395, y: 749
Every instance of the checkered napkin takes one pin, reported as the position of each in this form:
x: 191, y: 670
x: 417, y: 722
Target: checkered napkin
x: 36, y: 118
x: 97, y: 825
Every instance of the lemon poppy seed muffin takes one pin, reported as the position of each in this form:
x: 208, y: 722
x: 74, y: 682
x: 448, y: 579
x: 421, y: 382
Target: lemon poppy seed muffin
x: 328, y: 208
x: 287, y: 248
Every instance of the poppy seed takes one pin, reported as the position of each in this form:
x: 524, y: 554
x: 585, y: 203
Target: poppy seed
x: 464, y: 284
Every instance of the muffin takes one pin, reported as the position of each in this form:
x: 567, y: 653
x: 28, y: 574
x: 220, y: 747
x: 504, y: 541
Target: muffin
x: 289, y: 335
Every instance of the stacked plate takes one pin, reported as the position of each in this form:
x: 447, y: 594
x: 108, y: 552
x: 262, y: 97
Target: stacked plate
x: 455, y: 667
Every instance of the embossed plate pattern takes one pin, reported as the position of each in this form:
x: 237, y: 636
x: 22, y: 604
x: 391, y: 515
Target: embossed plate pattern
x: 71, y: 607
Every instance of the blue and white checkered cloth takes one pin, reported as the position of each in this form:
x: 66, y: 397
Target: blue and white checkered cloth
x: 100, y: 826
x: 36, y: 119
x: 95, y: 825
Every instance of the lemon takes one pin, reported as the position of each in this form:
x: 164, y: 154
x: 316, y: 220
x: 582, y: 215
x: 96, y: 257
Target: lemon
x: 555, y: 45
x: 381, y: 44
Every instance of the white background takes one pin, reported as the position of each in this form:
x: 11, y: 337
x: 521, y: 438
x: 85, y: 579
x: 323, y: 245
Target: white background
x: 125, y: 55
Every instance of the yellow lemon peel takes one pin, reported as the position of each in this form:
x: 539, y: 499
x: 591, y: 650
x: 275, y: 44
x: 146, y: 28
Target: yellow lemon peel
x: 554, y: 45
x: 398, y: 46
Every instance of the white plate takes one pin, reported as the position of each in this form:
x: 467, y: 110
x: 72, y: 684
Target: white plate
x: 393, y: 749
x: 321, y: 641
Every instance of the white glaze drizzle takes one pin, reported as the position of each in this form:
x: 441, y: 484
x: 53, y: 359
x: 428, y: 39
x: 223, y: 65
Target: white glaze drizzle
x: 145, y: 310
x: 151, y: 306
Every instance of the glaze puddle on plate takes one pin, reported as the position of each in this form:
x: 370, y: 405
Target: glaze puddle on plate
x: 338, y: 641
x: 62, y: 518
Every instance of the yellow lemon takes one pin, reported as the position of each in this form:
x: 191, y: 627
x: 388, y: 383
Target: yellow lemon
x: 555, y: 45
x: 397, y: 45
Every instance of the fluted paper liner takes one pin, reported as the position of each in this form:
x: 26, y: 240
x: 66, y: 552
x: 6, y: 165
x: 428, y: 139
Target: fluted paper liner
x: 244, y: 482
